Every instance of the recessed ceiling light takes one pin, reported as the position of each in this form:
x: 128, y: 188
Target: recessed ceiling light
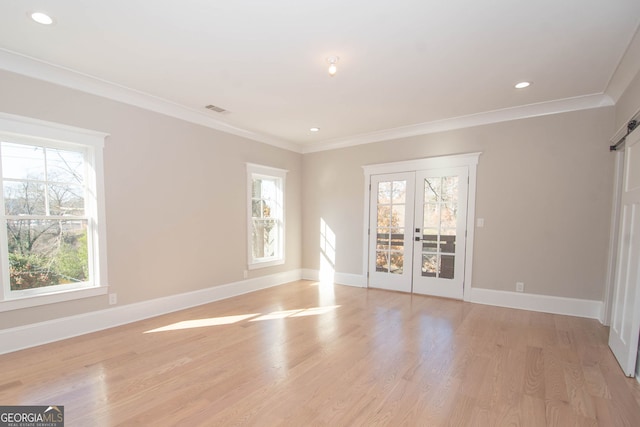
x: 333, y: 68
x: 41, y: 18
x: 522, y: 85
x: 314, y: 129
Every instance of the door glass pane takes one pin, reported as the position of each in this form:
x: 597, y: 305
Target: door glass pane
x: 397, y: 239
x: 447, y: 244
x: 384, y: 216
x: 383, y: 239
x: 399, y: 192
x: 440, y: 216
x: 431, y: 215
x: 432, y: 190
x: 448, y: 215
x: 392, y: 196
x: 397, y: 216
x: 429, y: 265
x: 384, y: 192
x: 382, y: 261
x: 397, y: 262
x: 446, y: 266
x: 450, y: 189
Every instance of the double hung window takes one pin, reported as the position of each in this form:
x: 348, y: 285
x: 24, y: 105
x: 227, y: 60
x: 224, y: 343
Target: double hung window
x: 265, y: 215
x: 52, y: 231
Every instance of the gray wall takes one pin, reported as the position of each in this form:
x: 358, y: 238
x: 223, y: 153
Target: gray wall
x: 175, y: 197
x: 544, y: 189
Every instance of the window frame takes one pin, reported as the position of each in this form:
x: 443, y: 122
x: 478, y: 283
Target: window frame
x: 267, y: 172
x: 28, y: 131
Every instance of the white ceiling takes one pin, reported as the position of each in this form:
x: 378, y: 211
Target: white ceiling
x: 403, y: 64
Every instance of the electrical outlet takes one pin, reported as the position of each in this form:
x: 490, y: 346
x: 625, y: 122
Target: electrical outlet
x: 246, y: 274
x: 113, y: 299
x: 519, y: 286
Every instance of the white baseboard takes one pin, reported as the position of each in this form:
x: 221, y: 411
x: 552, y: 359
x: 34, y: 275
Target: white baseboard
x: 67, y: 327
x: 544, y: 303
x: 348, y: 279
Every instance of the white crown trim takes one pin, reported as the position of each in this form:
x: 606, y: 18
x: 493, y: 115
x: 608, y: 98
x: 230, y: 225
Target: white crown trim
x: 42, y: 70
x: 503, y: 115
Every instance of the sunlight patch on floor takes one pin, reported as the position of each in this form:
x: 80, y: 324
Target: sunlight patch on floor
x: 228, y: 320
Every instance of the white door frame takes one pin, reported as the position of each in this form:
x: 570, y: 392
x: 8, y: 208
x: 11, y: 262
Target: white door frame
x: 469, y: 160
x: 614, y: 231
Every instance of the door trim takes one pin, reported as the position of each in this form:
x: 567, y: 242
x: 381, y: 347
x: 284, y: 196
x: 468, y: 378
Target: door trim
x: 469, y: 160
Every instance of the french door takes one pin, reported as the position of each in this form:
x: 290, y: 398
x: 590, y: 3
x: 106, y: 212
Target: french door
x: 418, y: 231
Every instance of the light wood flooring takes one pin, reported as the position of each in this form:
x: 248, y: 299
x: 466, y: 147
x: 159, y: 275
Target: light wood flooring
x: 306, y: 354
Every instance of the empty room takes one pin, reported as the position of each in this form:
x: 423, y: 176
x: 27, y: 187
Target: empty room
x: 415, y: 213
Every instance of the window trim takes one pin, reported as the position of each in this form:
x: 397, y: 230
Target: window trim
x: 33, y: 131
x: 255, y: 170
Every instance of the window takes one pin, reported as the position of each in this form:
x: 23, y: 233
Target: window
x: 52, y: 234
x: 265, y: 212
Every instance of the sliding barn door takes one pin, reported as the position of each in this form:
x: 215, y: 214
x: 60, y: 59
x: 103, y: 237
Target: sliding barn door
x: 625, y: 315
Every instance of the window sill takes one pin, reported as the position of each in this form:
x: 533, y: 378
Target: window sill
x: 263, y: 264
x: 36, y: 300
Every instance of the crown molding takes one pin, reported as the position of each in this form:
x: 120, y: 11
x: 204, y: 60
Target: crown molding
x: 628, y: 67
x: 503, y: 115
x: 42, y: 70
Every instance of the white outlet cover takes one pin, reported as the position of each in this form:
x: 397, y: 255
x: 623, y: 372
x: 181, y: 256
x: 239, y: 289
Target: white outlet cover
x: 480, y: 222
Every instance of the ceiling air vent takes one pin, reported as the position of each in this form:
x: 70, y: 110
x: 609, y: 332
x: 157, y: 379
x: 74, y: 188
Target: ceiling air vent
x: 216, y: 109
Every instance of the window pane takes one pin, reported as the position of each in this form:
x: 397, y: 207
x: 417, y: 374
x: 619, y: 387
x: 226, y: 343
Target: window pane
x: 256, y: 189
x: 24, y: 198
x: 65, y: 166
x: 22, y: 161
x: 47, y: 252
x: 268, y: 189
x: 66, y: 199
x: 256, y: 208
x: 270, y: 209
x: 265, y: 238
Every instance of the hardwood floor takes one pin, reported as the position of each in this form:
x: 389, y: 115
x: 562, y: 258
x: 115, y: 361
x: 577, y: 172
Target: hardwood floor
x: 307, y: 354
